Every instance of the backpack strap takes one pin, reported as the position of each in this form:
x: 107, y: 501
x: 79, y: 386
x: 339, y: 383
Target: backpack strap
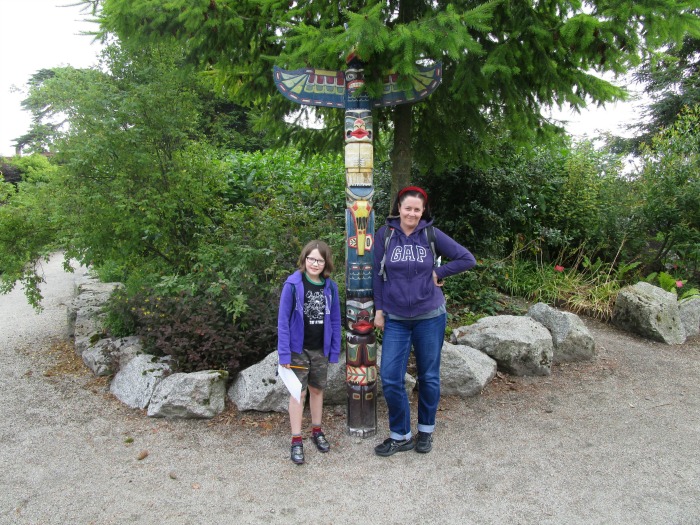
x: 430, y: 234
x: 387, y: 238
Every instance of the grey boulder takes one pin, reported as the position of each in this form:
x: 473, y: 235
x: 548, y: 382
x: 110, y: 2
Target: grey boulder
x: 190, y: 395
x: 571, y: 339
x: 649, y: 311
x: 520, y: 345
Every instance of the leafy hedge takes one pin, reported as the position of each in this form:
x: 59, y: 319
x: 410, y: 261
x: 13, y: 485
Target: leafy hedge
x: 195, y: 330
x: 223, y: 312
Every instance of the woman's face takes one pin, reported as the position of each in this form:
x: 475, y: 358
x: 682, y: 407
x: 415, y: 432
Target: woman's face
x: 410, y: 212
x: 315, y: 264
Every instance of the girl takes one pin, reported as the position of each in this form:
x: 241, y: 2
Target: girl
x: 308, y: 328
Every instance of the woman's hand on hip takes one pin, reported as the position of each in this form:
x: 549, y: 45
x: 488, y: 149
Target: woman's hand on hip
x: 437, y: 280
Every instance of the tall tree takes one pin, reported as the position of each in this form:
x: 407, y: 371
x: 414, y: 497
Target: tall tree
x: 672, y: 83
x: 138, y: 180
x: 669, y: 190
x: 502, y: 60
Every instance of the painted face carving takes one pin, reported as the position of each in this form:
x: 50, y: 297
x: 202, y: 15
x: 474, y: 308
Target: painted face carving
x: 354, y: 79
x: 360, y: 314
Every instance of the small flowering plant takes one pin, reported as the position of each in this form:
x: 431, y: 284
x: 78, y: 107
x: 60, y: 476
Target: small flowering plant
x: 668, y: 282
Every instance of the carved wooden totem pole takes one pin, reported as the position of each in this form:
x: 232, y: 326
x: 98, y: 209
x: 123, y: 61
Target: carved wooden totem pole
x: 338, y: 89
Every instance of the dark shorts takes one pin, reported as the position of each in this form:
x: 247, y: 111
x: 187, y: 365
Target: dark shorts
x: 317, y: 373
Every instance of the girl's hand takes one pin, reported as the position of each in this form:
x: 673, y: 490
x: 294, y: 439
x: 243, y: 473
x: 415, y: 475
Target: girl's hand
x: 285, y: 365
x: 438, y: 282
x: 379, y: 319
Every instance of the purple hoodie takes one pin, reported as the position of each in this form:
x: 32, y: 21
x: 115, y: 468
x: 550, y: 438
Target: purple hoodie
x: 290, y: 320
x: 409, y: 290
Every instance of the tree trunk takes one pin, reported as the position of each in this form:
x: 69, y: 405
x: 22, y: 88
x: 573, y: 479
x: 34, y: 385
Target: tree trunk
x: 402, y: 152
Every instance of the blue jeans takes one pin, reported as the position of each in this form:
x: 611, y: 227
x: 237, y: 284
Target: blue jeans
x: 426, y: 336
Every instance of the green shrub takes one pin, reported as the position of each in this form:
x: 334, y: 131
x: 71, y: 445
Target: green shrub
x: 588, y: 287
x: 471, y: 296
x: 222, y: 312
x: 195, y: 330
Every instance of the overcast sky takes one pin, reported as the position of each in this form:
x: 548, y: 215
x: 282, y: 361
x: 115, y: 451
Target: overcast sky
x: 39, y: 34
x: 34, y: 35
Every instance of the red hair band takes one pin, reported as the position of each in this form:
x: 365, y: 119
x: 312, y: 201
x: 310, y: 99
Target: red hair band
x: 416, y: 189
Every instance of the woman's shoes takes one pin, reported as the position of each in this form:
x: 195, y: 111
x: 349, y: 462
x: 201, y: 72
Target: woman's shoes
x: 392, y: 446
x: 424, y: 442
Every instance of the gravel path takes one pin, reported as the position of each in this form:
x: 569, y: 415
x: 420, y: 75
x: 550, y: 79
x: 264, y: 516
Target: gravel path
x: 610, y: 442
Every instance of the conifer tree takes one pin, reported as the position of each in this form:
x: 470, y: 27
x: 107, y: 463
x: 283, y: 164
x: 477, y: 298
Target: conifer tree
x: 502, y: 60
x: 673, y: 84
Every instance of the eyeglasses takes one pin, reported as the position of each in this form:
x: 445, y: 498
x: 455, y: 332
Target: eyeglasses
x: 311, y: 260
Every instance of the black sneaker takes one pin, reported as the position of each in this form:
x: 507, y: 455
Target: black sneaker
x: 321, y: 442
x: 297, y: 455
x: 424, y: 442
x: 392, y: 446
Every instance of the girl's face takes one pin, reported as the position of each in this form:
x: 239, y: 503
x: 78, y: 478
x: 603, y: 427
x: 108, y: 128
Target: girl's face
x: 315, y: 265
x: 410, y: 212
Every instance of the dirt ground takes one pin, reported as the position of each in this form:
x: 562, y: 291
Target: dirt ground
x: 611, y: 441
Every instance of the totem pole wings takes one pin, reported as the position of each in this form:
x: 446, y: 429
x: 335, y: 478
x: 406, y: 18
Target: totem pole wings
x: 322, y: 87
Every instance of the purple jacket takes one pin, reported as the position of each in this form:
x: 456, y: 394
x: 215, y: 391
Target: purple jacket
x: 409, y: 290
x: 290, y: 320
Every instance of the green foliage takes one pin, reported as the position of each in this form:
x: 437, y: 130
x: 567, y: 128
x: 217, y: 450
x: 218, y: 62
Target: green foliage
x: 665, y: 280
x: 690, y: 292
x: 140, y: 185
x: 194, y: 330
x: 671, y: 81
x: 222, y: 313
x: 668, y: 282
x: 30, y: 219
x: 669, y: 191
x: 502, y: 61
x: 472, y: 295
x: 557, y: 199
x: 588, y: 287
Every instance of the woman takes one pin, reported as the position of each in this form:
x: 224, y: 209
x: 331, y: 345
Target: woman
x: 308, y: 329
x: 410, y: 308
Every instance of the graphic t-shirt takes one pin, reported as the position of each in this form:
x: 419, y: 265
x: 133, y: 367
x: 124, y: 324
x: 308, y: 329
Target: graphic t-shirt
x: 314, y: 310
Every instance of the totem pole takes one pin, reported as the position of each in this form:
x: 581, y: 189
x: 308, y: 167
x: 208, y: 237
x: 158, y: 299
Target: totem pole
x: 338, y: 89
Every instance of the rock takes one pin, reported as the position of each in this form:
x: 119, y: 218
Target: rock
x: 464, y: 371
x: 83, y: 343
x: 571, y: 339
x: 126, y: 348
x: 101, y: 357
x: 193, y: 395
x: 88, y: 322
x: 520, y: 345
x: 690, y: 315
x: 91, y: 296
x: 336, y: 392
x: 649, y: 311
x: 95, y: 292
x: 258, y: 387
x: 134, y: 384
